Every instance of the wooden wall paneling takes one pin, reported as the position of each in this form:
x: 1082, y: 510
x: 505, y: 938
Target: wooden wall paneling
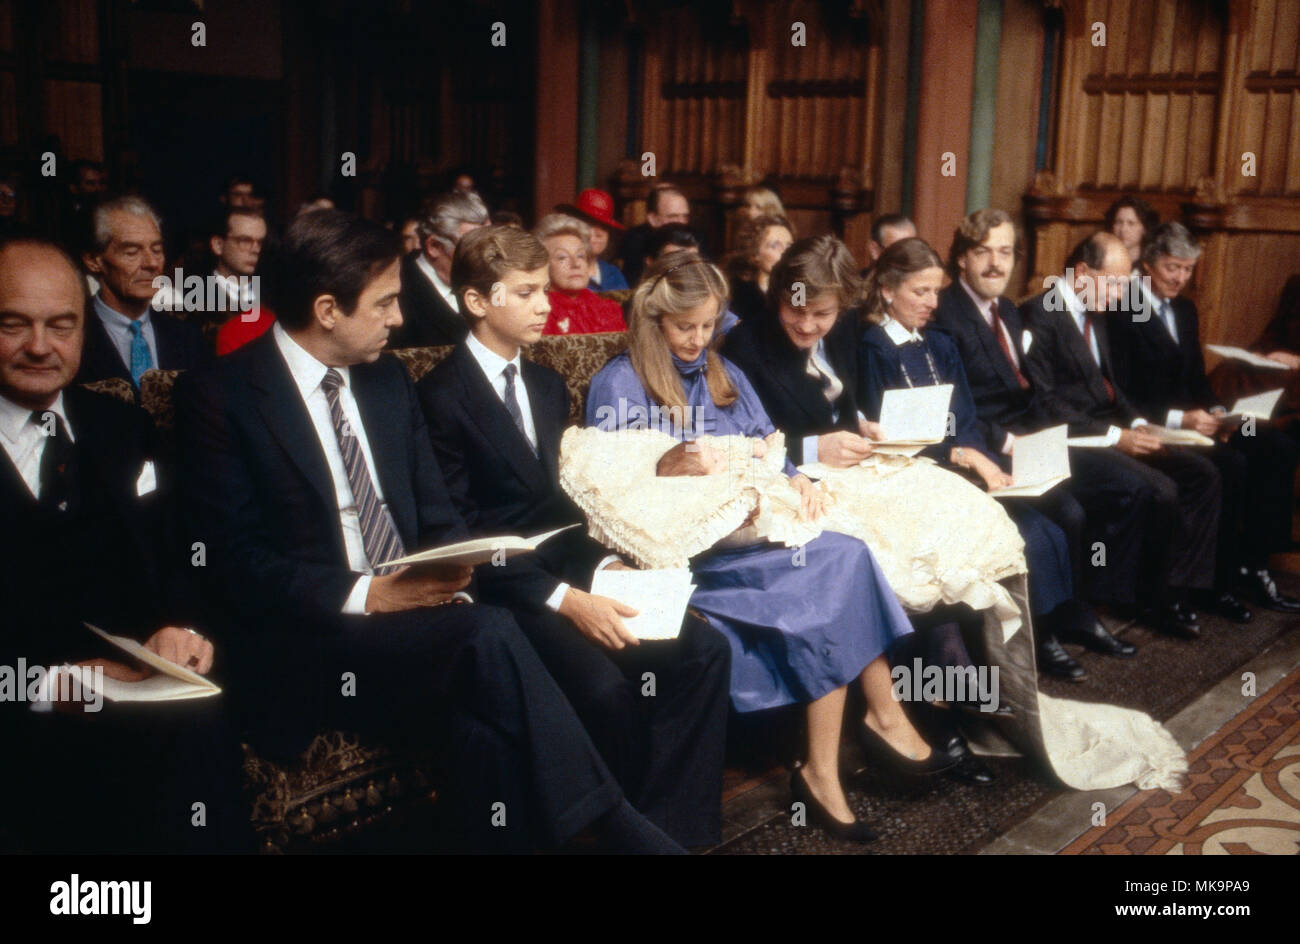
x: 74, y: 112
x: 1074, y: 147
x: 7, y: 25
x: 1173, y: 160
x: 1273, y: 150
x: 1292, y: 180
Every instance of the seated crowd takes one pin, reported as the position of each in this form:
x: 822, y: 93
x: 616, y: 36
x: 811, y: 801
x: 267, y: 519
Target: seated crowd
x: 304, y: 459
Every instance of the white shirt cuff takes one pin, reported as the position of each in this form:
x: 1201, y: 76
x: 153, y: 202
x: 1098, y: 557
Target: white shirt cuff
x: 1008, y: 444
x: 810, y: 449
x: 355, y: 604
x: 462, y: 595
x: 1174, y: 420
x: 557, y: 597
x: 1112, y: 435
x: 607, y: 560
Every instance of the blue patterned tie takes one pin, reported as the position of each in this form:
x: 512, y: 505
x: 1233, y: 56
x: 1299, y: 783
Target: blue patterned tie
x: 141, y: 359
x: 512, y: 406
x: 379, y: 535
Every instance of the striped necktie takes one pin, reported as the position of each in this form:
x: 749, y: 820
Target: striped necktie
x: 379, y: 536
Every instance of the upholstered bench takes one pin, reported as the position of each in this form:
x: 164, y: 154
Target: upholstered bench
x: 341, y: 785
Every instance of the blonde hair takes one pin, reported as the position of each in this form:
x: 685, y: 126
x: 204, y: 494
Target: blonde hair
x: 559, y: 224
x: 676, y: 283
x: 486, y: 254
x: 764, y: 200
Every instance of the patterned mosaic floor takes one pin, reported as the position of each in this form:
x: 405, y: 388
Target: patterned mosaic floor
x: 1242, y: 795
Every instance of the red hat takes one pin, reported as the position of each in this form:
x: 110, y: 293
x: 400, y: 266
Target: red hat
x: 594, y: 206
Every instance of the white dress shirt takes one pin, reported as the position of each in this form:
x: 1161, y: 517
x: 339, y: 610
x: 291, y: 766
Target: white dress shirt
x: 895, y: 331
x: 118, y: 326
x: 1174, y: 419
x: 424, y: 265
x: 307, y: 373
x: 494, y: 367
x: 1079, y: 315
x: 24, y: 440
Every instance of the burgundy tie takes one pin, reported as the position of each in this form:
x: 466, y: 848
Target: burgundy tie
x: 1006, y: 348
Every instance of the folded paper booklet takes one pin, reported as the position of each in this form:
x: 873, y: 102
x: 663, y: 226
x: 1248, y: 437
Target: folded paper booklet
x: 171, y: 683
x: 659, y: 597
x: 477, y: 551
x: 1260, y: 406
x: 915, y: 416
x: 1039, y: 462
x: 1180, y: 437
x: 1238, y: 354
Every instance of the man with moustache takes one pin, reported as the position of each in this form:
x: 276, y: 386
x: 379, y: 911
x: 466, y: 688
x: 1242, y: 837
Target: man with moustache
x: 86, y: 514
x: 1107, y: 498
x: 125, y: 335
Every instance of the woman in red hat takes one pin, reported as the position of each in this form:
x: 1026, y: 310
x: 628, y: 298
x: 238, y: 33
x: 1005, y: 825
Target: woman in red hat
x: 575, y: 309
x: 596, y: 209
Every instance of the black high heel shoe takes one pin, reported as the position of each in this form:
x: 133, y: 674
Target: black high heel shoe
x: 879, y: 750
x: 856, y: 831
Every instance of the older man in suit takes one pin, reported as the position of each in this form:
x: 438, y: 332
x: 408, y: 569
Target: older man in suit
x: 1122, y: 505
x: 125, y: 335
x: 306, y: 469
x: 1071, y: 362
x: 431, y: 313
x: 1159, y: 363
x: 86, y: 514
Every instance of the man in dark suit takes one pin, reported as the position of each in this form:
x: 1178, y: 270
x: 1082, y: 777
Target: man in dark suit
x: 1070, y: 361
x: 86, y: 514
x: 430, y: 310
x: 125, y: 335
x: 306, y: 467
x: 1124, y: 505
x: 1158, y: 362
x: 497, y: 441
x: 664, y: 205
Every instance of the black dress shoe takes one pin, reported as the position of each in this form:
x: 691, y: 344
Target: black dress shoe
x: 1173, y: 622
x: 1259, y: 583
x: 973, y: 770
x: 856, y: 831
x: 1229, y: 607
x: 1098, y: 638
x: 1054, y: 660
x: 1183, y: 612
x: 882, y: 752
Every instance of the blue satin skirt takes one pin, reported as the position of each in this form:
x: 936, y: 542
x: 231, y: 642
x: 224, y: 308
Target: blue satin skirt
x: 801, y: 621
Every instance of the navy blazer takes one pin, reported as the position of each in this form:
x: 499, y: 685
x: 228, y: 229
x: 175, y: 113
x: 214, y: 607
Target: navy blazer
x: 427, y: 319
x: 1001, y: 405
x: 181, y: 346
x: 120, y: 567
x: 1157, y: 373
x: 1062, y: 367
x: 778, y: 372
x: 496, y: 482
x: 882, y: 370
x: 258, y: 492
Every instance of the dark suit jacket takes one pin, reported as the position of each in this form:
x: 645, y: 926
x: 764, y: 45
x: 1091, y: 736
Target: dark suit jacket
x: 1061, y: 366
x: 181, y: 346
x: 1001, y: 406
x: 427, y: 319
x: 882, y: 369
x: 498, y: 485
x: 115, y: 563
x: 794, y: 401
x: 257, y: 488
x: 1157, y: 373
